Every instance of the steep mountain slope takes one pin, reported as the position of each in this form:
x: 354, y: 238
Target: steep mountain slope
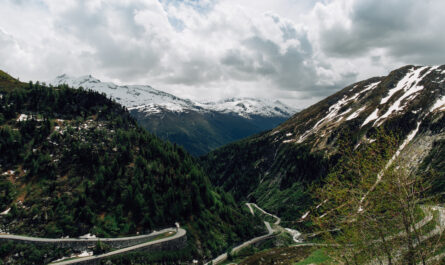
x: 198, y: 126
x: 277, y: 167
x: 73, y: 162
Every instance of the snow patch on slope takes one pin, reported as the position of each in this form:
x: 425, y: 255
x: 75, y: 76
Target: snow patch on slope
x: 333, y: 112
x: 331, y: 115
x: 370, y: 87
x: 439, y: 104
x: 411, y: 78
x: 355, y: 114
x: 374, y: 115
x: 409, y: 84
x: 407, y: 140
x: 5, y: 212
x: 88, y: 236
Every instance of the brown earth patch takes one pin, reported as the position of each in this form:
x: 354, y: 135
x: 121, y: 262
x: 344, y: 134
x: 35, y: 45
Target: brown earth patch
x: 102, y: 216
x: 21, y: 197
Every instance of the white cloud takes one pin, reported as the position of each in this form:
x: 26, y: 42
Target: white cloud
x: 296, y: 51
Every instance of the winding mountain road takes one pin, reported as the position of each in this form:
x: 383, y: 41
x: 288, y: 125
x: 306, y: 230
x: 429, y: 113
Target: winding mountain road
x: 270, y: 232
x: 176, y: 233
x: 249, y: 204
x: 180, y: 233
x: 296, y: 235
x: 224, y: 256
x: 69, y: 240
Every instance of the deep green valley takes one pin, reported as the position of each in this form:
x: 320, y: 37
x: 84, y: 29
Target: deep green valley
x: 357, y: 178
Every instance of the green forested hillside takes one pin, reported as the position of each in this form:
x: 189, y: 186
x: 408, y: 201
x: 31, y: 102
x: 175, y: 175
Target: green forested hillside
x: 73, y: 162
x: 256, y: 163
x: 356, y: 168
x: 278, y: 168
x: 199, y: 133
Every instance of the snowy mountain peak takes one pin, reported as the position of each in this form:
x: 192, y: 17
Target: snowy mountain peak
x: 247, y: 107
x: 151, y: 101
x: 409, y: 96
x: 140, y: 97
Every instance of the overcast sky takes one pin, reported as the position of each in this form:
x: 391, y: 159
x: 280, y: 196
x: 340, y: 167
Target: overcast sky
x: 297, y: 51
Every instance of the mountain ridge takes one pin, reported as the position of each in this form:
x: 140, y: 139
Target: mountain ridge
x: 282, y: 164
x: 155, y: 99
x: 198, y: 126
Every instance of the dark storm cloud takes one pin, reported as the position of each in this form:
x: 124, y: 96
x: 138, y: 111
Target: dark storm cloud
x: 407, y: 29
x: 291, y: 69
x: 322, y: 91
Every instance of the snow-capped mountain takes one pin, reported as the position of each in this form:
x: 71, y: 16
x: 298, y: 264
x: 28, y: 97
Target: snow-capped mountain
x: 407, y: 106
x: 198, y: 126
x: 413, y: 94
x: 152, y: 101
x: 133, y: 96
x: 247, y: 107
